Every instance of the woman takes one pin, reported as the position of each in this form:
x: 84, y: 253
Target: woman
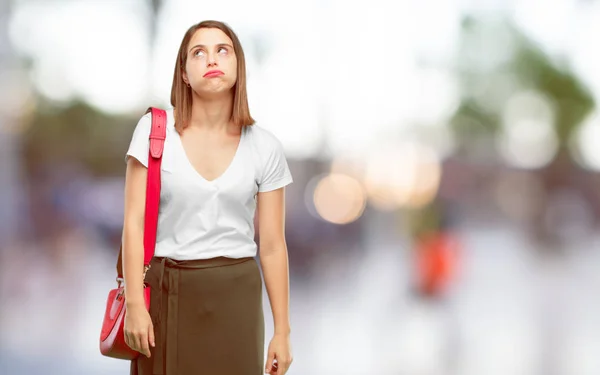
x: 206, y: 312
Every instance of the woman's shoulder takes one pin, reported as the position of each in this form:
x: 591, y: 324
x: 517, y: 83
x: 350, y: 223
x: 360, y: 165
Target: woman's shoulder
x: 262, y: 137
x: 170, y: 118
x: 145, y: 121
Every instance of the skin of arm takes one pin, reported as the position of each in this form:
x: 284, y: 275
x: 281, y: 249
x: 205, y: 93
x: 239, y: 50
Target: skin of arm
x: 133, y: 232
x: 274, y: 256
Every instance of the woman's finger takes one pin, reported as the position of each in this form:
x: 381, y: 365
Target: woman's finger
x: 143, y: 344
x: 269, y: 365
x: 129, y: 340
x: 284, y: 365
x: 132, y: 342
x: 151, y: 335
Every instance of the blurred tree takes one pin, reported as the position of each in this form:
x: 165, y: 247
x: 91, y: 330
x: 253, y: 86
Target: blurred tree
x: 76, y: 134
x: 11, y: 180
x: 491, y: 52
x: 495, y: 61
x: 72, y: 141
x: 571, y: 98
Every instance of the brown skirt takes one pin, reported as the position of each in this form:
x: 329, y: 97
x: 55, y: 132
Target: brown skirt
x: 207, y: 316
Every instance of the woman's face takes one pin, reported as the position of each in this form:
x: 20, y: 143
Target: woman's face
x: 211, y: 65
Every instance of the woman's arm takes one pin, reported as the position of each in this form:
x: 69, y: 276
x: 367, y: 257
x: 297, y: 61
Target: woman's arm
x: 274, y: 262
x: 133, y: 232
x: 274, y: 257
x: 138, y: 329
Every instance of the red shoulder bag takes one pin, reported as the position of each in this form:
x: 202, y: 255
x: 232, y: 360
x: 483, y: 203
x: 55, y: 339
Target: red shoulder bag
x: 112, y: 337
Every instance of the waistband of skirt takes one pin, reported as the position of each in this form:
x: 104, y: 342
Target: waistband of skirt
x: 200, y: 263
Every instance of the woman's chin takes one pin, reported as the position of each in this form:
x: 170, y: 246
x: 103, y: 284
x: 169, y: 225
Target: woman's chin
x: 215, y: 92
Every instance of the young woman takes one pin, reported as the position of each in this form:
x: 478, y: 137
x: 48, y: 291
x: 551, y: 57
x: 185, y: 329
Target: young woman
x: 206, y: 312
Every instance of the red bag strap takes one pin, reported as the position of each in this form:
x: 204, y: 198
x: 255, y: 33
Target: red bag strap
x: 158, y: 133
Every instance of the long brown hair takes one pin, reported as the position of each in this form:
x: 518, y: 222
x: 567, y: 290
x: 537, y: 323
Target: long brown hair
x: 181, y: 94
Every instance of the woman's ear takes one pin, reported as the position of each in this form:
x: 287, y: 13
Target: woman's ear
x: 185, y: 77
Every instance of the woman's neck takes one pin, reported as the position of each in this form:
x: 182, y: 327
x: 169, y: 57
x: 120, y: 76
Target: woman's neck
x: 212, y: 114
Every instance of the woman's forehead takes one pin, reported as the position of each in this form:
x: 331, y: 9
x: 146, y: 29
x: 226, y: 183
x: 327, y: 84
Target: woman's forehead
x: 209, y: 37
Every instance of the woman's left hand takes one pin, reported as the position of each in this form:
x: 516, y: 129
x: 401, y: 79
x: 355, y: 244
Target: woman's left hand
x: 281, y: 352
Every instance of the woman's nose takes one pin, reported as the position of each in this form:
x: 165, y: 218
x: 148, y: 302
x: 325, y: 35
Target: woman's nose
x: 211, y: 60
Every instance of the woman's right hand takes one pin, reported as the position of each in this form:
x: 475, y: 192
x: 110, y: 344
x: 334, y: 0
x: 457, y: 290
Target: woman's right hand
x: 138, y: 328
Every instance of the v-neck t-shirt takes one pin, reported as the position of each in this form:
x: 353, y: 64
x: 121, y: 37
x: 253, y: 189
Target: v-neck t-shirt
x: 199, y: 218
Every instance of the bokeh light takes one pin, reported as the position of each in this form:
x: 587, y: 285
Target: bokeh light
x: 339, y: 199
x: 407, y: 175
x: 585, y: 143
x: 528, y: 139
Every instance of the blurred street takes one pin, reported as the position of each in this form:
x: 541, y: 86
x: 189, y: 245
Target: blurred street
x: 445, y: 212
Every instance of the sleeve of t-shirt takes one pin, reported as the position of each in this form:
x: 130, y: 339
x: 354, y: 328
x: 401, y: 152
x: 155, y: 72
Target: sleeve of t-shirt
x: 140, y: 143
x: 276, y: 173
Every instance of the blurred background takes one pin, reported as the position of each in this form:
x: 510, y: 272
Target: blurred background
x: 445, y: 208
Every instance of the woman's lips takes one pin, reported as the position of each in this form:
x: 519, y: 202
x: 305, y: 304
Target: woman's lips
x: 213, y: 73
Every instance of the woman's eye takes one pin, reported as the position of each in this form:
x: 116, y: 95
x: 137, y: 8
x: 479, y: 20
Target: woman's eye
x: 199, y: 53
x: 222, y: 50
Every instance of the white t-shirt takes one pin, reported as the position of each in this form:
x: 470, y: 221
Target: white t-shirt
x: 201, y: 219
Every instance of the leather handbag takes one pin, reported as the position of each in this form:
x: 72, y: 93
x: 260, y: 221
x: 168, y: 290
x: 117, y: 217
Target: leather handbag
x: 112, y: 337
